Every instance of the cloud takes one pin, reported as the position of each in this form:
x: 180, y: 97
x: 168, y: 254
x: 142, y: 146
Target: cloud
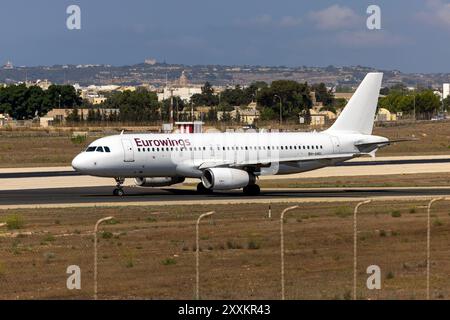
x: 438, y: 13
x: 334, y: 18
x: 266, y: 20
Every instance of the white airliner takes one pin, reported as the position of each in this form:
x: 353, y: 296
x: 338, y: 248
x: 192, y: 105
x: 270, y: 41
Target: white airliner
x: 226, y: 161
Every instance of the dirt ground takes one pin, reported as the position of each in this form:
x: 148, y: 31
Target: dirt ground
x: 43, y: 148
x: 148, y: 252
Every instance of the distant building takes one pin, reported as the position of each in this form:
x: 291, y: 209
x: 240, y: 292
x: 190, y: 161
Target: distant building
x: 185, y: 93
x: 150, y: 61
x: 320, y: 117
x: 3, y: 119
x: 247, y: 115
x: 385, y: 115
x: 446, y: 90
x: 60, y: 115
x: 8, y: 65
x: 43, y: 84
x: 343, y: 95
x: 46, y: 122
x: 183, y: 81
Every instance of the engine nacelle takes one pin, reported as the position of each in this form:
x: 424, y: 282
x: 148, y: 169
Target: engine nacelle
x: 158, y: 182
x: 226, y: 178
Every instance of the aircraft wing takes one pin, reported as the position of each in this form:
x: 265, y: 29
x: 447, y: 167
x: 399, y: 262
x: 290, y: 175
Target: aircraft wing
x: 267, y: 162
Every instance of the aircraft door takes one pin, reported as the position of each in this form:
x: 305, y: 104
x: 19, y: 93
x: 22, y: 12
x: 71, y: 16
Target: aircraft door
x: 336, y: 144
x: 128, y: 150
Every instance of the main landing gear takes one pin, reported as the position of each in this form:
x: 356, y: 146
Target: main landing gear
x: 252, y: 190
x: 119, y: 190
x: 202, y: 190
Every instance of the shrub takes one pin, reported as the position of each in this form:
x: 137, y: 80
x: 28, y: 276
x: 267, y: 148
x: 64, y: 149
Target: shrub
x: 437, y: 223
x: 49, y: 238
x: 396, y: 214
x: 383, y: 233
x: 169, y: 261
x: 343, y: 212
x: 49, y: 256
x: 151, y: 219
x: 390, y: 275
x: 413, y: 210
x: 112, y: 221
x: 78, y: 139
x: 107, y: 235
x: 233, y: 245
x: 14, y: 222
x: 253, y: 245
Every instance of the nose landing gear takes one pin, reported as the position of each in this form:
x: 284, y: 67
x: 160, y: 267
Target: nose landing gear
x: 119, y: 190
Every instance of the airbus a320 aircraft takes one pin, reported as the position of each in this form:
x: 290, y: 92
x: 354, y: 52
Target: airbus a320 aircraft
x: 226, y: 161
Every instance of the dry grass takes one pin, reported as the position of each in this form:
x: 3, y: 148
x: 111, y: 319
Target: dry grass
x: 38, y: 151
x: 434, y: 138
x: 149, y: 252
x: 394, y: 180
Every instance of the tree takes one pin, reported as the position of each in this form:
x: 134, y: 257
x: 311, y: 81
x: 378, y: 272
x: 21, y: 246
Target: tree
x: 206, y: 98
x: 323, y: 94
x: 295, y: 98
x: 138, y: 106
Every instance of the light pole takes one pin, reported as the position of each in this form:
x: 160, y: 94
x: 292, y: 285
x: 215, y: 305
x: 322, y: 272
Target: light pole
x: 355, y: 244
x: 96, y: 254
x: 282, y: 247
x: 197, y: 253
x: 281, y: 114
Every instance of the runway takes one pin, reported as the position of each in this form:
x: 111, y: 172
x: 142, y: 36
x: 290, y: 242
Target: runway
x: 99, y: 196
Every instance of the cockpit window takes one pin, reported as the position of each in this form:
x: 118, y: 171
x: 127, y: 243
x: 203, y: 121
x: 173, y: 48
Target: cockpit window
x: 99, y: 149
x: 91, y: 149
x: 107, y: 149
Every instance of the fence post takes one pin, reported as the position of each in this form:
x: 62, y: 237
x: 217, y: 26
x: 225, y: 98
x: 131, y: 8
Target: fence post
x: 197, y: 253
x: 96, y: 254
x: 282, y: 247
x: 355, y: 244
x: 429, y: 241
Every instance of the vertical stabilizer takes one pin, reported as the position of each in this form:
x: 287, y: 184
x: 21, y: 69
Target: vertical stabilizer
x: 359, y: 113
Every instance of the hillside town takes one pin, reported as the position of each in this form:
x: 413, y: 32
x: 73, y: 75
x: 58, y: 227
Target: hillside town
x: 182, y: 96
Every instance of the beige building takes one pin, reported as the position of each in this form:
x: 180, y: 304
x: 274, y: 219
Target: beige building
x: 3, y: 120
x: 321, y: 117
x: 385, y: 115
x: 248, y: 115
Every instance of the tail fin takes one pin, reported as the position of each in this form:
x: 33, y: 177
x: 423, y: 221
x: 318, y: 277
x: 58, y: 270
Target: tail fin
x: 359, y: 113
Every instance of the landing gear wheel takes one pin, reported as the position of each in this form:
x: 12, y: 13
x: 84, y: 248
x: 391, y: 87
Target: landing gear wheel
x: 252, y: 190
x: 202, y: 190
x: 119, y: 192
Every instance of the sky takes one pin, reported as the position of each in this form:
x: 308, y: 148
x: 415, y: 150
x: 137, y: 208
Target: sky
x: 414, y: 34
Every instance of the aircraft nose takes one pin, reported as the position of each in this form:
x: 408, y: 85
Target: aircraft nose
x: 78, y: 163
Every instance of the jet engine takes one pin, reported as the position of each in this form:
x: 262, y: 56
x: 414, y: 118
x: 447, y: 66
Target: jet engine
x: 226, y: 178
x: 158, y: 182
